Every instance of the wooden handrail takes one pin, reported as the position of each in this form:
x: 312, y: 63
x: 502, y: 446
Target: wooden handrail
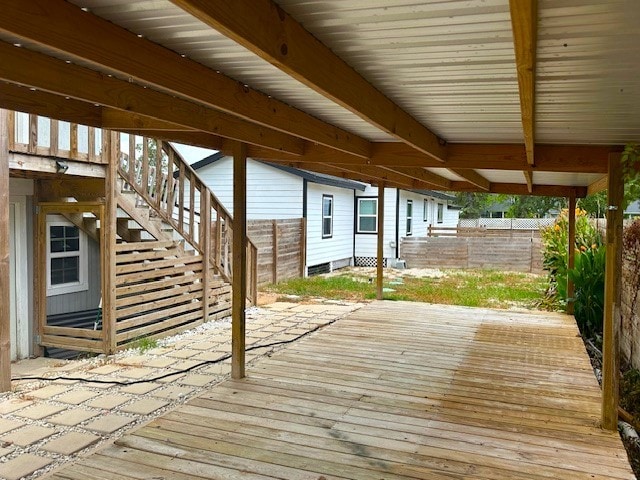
x: 157, y: 174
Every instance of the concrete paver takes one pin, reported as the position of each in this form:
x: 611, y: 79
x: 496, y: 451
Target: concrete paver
x: 72, y: 417
x: 70, y: 443
x: 76, y: 397
x: 109, y: 402
x: 28, y: 435
x: 39, y: 411
x: 22, y: 466
x: 140, y: 388
x: 197, y: 380
x: 6, y: 425
x: 172, y: 392
x: 48, y: 391
x: 11, y: 405
x: 144, y: 406
x: 109, y: 423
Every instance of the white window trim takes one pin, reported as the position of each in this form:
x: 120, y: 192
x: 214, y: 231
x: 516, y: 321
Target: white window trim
x: 440, y: 218
x: 425, y: 211
x: 324, y: 217
x: 409, y: 221
x: 72, y: 287
x: 375, y: 215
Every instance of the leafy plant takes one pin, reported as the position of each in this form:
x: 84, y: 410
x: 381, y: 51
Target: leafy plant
x: 144, y: 344
x: 587, y: 274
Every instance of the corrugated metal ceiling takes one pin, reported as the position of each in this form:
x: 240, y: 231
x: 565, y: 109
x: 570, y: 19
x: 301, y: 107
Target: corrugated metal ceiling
x: 448, y: 63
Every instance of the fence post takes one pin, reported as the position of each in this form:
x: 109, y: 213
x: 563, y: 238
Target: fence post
x: 5, y: 314
x: 303, y: 247
x: 274, y: 230
x: 571, y: 243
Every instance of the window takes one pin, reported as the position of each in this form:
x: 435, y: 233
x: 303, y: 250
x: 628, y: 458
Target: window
x: 440, y: 213
x: 66, y: 258
x: 409, y: 216
x: 367, y: 215
x: 425, y: 212
x: 327, y: 216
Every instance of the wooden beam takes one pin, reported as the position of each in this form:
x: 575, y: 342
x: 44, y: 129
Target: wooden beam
x: 521, y: 189
x: 380, y: 244
x: 549, y: 158
x: 45, y: 165
x: 62, y: 26
x: 5, y: 278
x: 473, y: 177
x: 267, y: 30
x: 613, y: 267
x: 571, y: 258
x: 424, y: 176
x: 524, y: 23
x: 120, y: 120
x: 528, y: 177
x: 22, y: 99
x: 239, y: 252
x: 25, y: 67
x: 598, y: 186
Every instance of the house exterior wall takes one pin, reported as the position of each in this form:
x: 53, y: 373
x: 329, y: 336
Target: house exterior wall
x: 366, y: 243
x: 340, y: 245
x: 271, y: 193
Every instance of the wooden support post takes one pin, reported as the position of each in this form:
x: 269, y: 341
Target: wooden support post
x: 205, y: 225
x: 239, y: 294
x: 108, y: 223
x: 610, y: 346
x: 380, y: 245
x: 5, y: 311
x: 275, y: 251
x: 571, y: 242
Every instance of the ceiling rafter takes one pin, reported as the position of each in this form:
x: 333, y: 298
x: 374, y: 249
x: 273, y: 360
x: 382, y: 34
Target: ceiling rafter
x: 423, y: 175
x: 290, y: 47
x: 524, y: 25
x: 26, y: 67
x: 64, y: 27
x: 521, y: 189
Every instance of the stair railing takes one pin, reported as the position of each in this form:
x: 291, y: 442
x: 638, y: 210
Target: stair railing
x: 163, y: 180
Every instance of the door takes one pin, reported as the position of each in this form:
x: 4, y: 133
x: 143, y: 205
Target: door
x: 12, y: 281
x: 18, y: 294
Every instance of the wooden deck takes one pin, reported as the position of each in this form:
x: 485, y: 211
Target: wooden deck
x: 395, y: 390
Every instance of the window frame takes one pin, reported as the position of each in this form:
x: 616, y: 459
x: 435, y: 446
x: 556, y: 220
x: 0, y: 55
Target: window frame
x: 82, y: 284
x: 440, y: 216
x: 330, y: 216
x: 425, y: 211
x: 409, y: 218
x: 358, y: 216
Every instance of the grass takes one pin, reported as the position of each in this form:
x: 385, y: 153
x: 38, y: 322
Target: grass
x: 143, y: 344
x: 472, y: 288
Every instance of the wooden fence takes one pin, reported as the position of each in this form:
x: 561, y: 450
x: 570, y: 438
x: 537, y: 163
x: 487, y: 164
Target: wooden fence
x: 281, y: 248
x: 435, y: 231
x: 518, y: 254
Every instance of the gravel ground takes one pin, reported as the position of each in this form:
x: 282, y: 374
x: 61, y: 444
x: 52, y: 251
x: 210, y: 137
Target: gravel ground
x: 47, y: 423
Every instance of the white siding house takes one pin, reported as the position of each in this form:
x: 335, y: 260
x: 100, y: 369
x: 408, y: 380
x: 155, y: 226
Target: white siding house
x: 406, y: 213
x: 275, y: 192
x: 341, y: 214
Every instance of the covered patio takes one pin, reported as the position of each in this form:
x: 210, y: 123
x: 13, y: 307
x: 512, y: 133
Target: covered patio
x: 395, y: 390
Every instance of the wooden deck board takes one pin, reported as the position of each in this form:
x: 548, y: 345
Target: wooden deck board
x: 396, y: 391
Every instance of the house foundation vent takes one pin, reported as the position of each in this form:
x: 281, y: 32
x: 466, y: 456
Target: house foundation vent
x: 369, y: 262
x: 318, y: 269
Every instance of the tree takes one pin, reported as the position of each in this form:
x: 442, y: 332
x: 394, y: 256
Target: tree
x: 472, y: 204
x: 595, y: 204
x: 528, y: 206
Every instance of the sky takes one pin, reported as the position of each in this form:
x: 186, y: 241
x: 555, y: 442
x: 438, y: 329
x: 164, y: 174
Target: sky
x: 192, y: 154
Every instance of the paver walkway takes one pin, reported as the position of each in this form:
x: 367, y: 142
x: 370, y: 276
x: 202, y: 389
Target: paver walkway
x: 46, y: 423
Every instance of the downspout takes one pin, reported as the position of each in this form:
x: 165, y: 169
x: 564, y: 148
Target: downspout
x: 397, y: 223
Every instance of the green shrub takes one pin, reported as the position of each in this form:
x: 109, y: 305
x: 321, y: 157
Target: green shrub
x: 587, y: 274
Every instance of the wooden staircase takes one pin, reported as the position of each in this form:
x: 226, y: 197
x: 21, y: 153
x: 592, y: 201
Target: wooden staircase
x: 172, y: 258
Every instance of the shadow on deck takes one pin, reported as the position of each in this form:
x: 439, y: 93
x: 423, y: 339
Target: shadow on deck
x: 395, y: 390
